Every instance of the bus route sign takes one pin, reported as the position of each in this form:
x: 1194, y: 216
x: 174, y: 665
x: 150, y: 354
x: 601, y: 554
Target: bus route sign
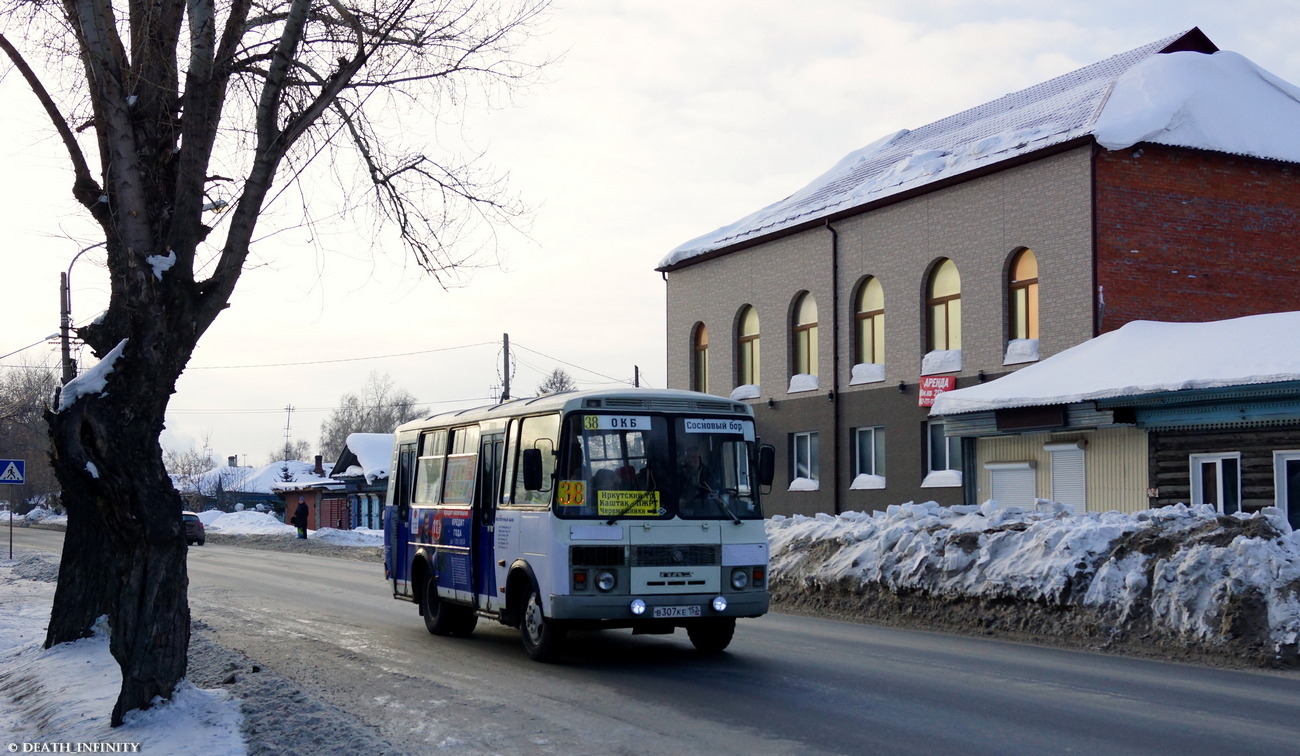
x: 13, y: 471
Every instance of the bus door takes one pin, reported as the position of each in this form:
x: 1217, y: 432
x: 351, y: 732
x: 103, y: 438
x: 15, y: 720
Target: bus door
x: 397, y: 523
x: 454, y: 527
x: 488, y: 493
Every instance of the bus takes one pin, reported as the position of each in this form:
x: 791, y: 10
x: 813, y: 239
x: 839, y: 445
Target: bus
x: 636, y: 508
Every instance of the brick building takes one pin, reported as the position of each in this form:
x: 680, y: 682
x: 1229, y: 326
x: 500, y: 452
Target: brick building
x: 962, y: 250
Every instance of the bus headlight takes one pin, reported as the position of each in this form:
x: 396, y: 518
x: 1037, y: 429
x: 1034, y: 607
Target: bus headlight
x: 605, y: 580
x: 739, y: 579
x: 719, y: 604
x: 638, y: 607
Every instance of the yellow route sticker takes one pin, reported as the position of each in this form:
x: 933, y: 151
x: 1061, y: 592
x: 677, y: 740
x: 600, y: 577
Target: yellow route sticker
x: 629, y: 503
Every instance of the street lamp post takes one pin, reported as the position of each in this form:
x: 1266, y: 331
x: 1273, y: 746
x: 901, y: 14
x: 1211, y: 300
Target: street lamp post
x: 65, y: 315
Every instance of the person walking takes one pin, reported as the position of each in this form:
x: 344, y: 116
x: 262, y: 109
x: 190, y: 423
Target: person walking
x: 300, y: 517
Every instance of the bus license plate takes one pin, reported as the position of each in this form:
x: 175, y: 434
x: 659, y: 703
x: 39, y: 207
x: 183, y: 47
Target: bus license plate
x: 670, y: 612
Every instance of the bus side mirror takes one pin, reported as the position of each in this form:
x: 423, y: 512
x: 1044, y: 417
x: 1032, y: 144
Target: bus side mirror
x: 532, y: 462
x: 766, y: 464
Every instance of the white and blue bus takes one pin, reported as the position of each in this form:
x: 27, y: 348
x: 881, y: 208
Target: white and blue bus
x: 582, y: 510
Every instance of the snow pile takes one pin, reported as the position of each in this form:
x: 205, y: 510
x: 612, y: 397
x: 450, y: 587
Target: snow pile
x: 66, y: 693
x: 259, y: 523
x: 245, y: 523
x: 358, y: 537
x: 44, y: 516
x: 1178, y: 572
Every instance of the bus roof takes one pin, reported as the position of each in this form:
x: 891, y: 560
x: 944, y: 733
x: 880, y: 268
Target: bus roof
x: 626, y: 399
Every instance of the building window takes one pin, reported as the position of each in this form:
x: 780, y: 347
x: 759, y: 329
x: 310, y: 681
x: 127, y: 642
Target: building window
x: 943, y: 303
x: 869, y: 323
x: 944, y: 453
x: 700, y: 358
x: 1216, y: 480
x: 747, y: 353
x: 1286, y: 484
x: 803, y: 456
x: 1022, y: 295
x: 869, y: 451
x: 803, y: 335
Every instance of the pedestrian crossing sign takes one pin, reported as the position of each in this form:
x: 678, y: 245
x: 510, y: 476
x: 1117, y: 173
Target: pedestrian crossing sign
x: 13, y: 471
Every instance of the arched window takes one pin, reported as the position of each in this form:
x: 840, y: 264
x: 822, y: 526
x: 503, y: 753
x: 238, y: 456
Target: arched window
x: 700, y: 358
x: 869, y: 323
x: 1022, y: 295
x: 747, y: 353
x: 803, y: 334
x: 943, y: 300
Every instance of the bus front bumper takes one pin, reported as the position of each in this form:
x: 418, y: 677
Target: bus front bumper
x: 681, y: 607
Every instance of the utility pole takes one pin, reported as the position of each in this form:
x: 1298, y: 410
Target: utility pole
x: 636, y: 376
x: 505, y: 372
x: 288, y: 415
x: 65, y: 316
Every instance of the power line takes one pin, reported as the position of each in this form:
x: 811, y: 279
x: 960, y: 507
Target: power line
x: 342, y: 359
x: 572, y: 365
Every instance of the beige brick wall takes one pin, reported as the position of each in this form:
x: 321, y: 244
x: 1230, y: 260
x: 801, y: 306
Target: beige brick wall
x: 1045, y: 205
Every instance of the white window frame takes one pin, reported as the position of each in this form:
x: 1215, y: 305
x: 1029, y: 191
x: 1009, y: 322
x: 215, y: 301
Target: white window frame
x: 807, y: 443
x: 1196, y: 461
x: 875, y: 446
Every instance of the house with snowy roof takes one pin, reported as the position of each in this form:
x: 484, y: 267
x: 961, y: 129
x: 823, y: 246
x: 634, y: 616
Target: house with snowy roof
x: 1159, y: 184
x: 1150, y: 414
x: 354, y: 494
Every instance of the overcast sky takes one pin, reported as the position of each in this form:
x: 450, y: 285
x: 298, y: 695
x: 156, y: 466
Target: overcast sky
x: 661, y: 120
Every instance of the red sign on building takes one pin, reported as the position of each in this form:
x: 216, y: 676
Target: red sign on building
x: 934, y: 385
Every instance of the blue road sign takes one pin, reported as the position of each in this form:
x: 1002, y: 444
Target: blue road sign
x: 13, y: 471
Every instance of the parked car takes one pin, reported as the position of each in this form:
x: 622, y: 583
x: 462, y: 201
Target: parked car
x: 193, y: 529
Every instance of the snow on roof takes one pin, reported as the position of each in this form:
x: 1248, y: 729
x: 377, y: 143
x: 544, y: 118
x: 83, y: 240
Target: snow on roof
x: 269, y: 479
x: 1146, y: 357
x: 1220, y: 102
x: 373, y: 453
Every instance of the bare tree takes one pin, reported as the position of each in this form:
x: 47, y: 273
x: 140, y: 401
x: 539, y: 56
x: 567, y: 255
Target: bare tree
x: 168, y: 109
x: 299, y: 450
x: 559, y: 380
x: 378, y: 408
x: 25, y: 390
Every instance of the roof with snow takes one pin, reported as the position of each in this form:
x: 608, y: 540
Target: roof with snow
x: 368, y: 455
x: 1146, y: 357
x: 1178, y: 91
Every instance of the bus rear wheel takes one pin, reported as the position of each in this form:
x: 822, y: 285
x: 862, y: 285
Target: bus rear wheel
x: 711, y: 636
x: 439, y: 618
x: 542, y: 638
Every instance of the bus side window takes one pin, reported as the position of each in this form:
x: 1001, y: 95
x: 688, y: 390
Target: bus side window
x: 537, y: 434
x: 405, y: 477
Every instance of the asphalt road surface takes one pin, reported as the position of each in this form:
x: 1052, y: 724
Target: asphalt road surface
x: 786, y: 685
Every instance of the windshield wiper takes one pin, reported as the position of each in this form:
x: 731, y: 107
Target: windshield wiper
x: 638, y: 501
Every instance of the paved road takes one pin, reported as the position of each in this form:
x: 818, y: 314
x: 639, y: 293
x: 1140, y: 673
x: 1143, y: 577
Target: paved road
x: 787, y: 685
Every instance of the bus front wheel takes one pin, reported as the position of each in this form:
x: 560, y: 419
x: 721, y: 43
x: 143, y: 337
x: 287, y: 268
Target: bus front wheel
x: 542, y: 637
x: 713, y: 635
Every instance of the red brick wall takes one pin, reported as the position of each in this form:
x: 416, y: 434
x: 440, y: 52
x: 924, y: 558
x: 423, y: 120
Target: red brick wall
x: 1194, y: 236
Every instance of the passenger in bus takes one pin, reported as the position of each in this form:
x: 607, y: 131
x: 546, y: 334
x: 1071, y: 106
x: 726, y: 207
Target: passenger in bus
x: 695, y: 480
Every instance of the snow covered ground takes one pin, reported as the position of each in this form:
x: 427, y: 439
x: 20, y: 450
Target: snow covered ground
x: 1184, y: 572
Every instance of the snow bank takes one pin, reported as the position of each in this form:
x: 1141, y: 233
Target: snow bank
x: 245, y: 523
x: 66, y: 693
x: 1185, y: 572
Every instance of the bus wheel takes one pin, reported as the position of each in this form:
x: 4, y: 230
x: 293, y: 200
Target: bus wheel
x: 711, y: 636
x: 542, y: 638
x: 465, y: 621
x: 439, y: 618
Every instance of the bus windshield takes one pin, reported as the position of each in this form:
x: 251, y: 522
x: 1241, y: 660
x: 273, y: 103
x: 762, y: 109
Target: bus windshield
x: 653, y: 467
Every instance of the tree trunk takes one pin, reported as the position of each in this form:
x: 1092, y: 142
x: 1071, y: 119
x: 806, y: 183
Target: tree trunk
x: 124, y: 552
